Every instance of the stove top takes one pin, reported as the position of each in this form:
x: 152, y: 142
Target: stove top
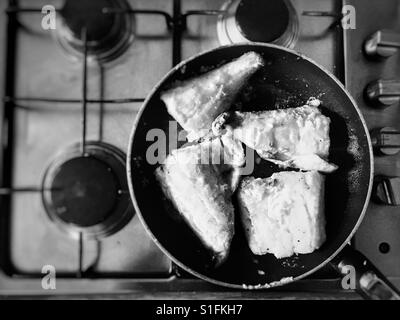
x: 71, y: 97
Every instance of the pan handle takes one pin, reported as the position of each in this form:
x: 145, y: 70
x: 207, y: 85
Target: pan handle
x: 369, y: 281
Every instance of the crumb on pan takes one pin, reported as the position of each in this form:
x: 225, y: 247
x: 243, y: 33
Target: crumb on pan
x: 268, y: 285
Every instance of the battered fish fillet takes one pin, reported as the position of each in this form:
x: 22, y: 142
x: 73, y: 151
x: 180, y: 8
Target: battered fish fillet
x: 283, y: 214
x: 293, y: 137
x: 196, y: 103
x: 199, y: 180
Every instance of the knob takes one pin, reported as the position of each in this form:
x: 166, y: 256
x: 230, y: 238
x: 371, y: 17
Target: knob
x: 386, y: 140
x: 383, y: 93
x: 387, y: 190
x: 382, y: 44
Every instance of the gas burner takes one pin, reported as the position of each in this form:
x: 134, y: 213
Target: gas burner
x: 86, y: 193
x: 258, y: 21
x: 107, y: 35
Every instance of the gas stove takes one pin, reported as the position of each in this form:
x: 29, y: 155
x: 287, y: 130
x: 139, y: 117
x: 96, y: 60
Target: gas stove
x: 71, y: 95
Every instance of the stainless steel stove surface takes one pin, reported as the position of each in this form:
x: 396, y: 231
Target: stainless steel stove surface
x: 72, y: 94
x: 44, y: 134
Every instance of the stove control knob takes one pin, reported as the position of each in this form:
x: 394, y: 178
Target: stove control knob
x: 387, y: 190
x: 383, y: 93
x: 386, y: 140
x: 382, y: 44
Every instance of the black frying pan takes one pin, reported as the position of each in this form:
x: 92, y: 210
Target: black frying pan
x: 287, y: 80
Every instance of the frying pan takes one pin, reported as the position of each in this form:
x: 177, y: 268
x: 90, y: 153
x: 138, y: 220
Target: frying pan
x: 288, y: 79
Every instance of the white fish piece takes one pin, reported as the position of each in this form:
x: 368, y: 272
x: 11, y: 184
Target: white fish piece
x: 292, y: 137
x: 199, y: 180
x: 195, y: 103
x: 283, y: 214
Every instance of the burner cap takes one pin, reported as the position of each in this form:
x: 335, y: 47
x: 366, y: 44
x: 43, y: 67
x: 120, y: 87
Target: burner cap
x: 108, y: 34
x: 258, y: 21
x: 78, y: 14
x: 262, y: 21
x: 85, y: 193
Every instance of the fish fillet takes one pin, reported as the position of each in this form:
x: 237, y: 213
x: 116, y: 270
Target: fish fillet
x: 196, y: 103
x: 284, y: 214
x: 292, y: 137
x: 199, y: 180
